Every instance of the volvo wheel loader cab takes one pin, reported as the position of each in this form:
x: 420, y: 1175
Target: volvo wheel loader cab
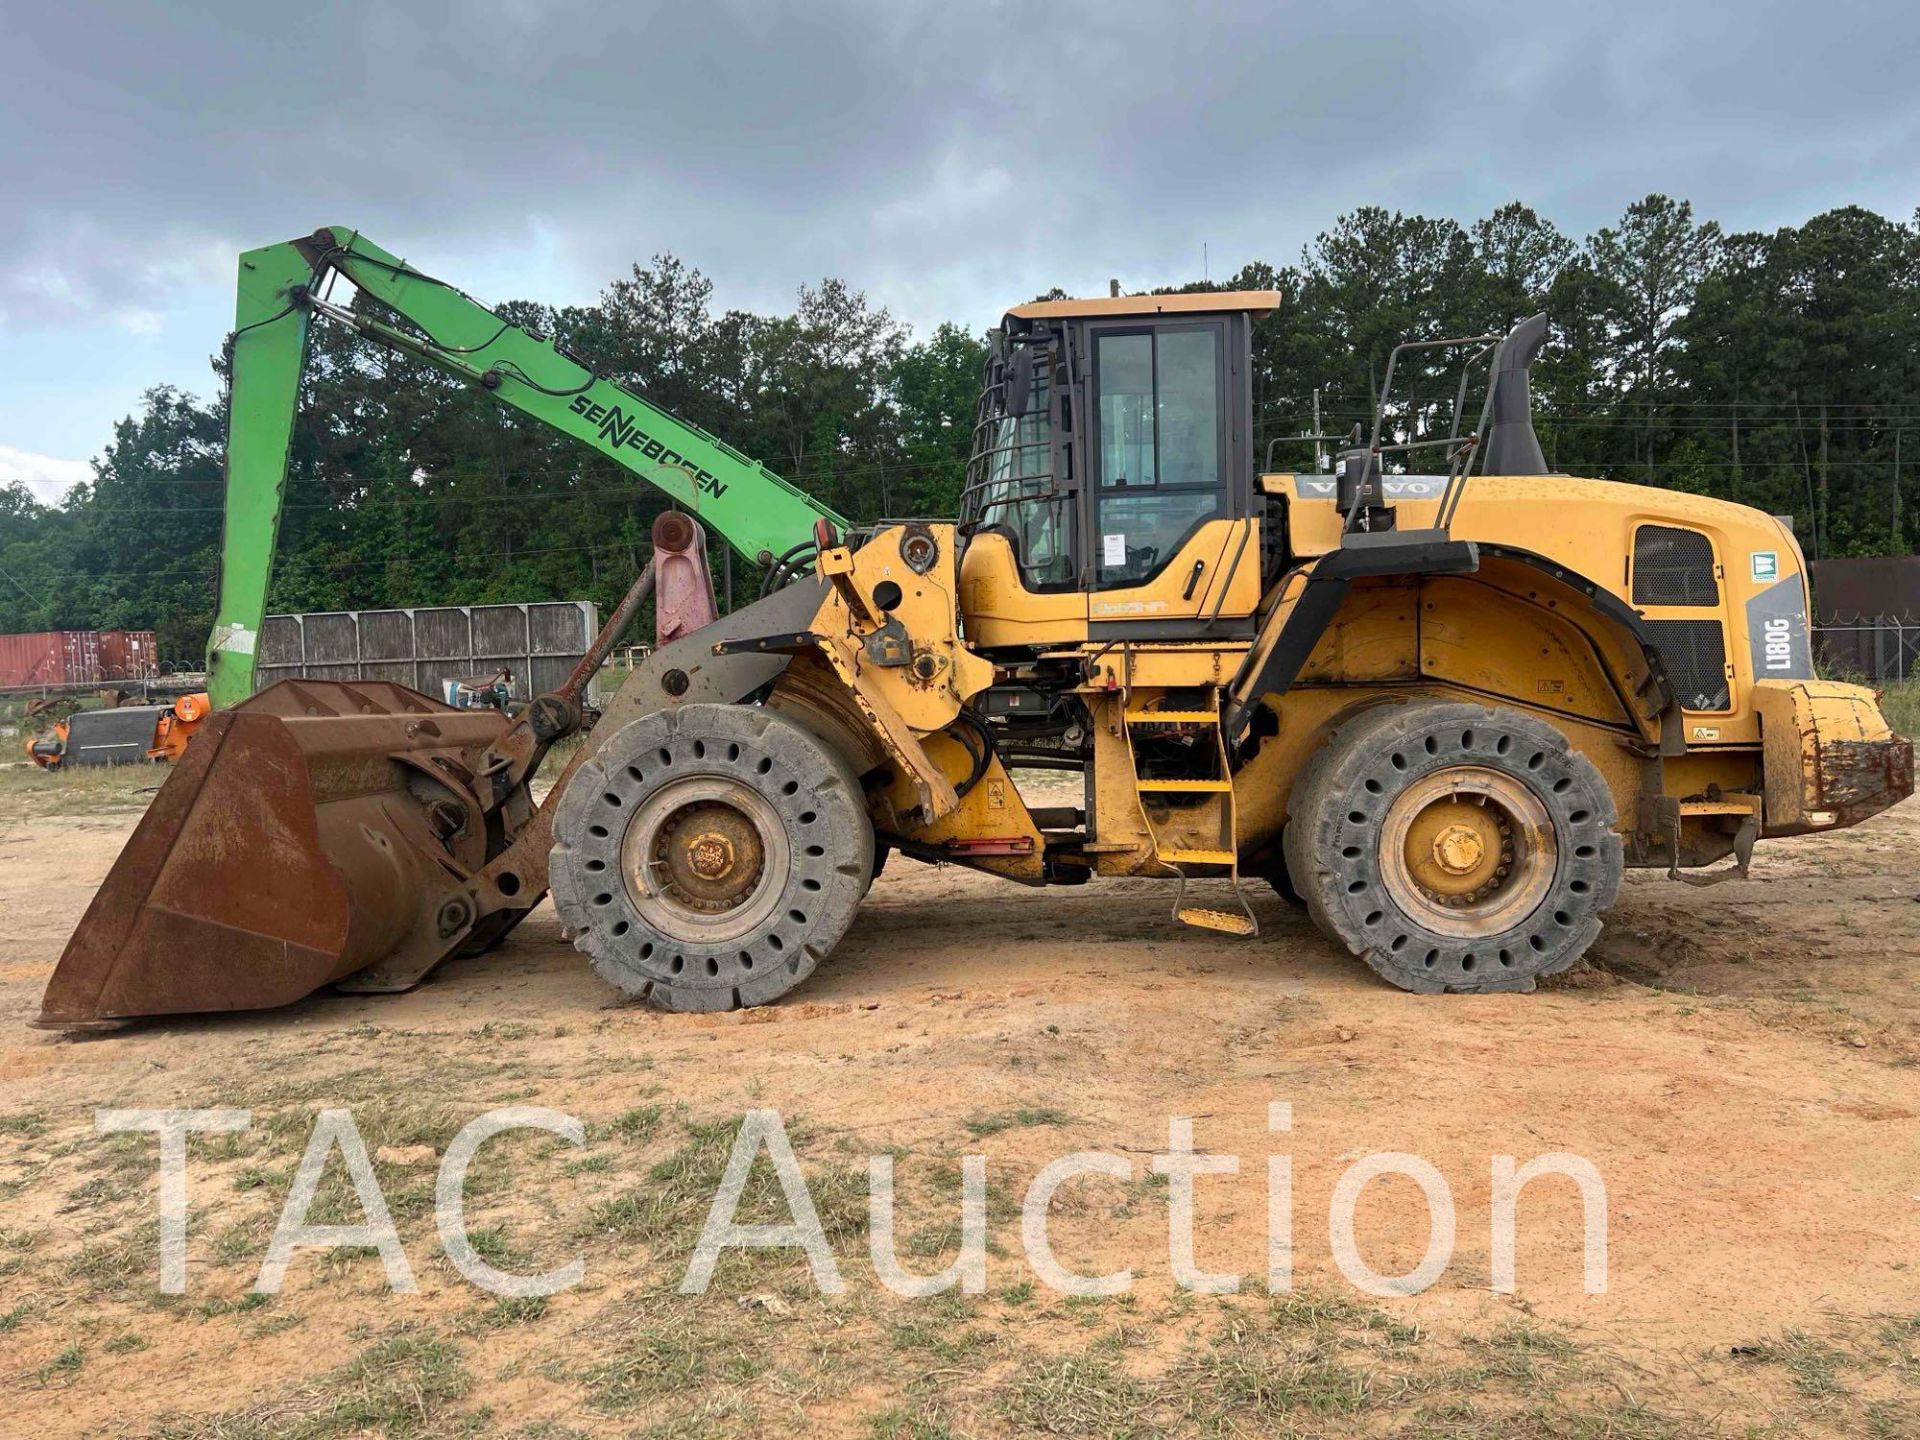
x: 1438, y: 697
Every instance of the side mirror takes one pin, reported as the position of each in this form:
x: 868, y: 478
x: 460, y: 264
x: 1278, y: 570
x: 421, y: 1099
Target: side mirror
x: 1019, y: 380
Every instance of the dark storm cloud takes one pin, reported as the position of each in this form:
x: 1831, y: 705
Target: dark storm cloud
x: 947, y: 157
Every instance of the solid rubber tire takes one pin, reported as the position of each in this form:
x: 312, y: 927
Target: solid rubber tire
x: 1342, y: 796
x: 830, y: 841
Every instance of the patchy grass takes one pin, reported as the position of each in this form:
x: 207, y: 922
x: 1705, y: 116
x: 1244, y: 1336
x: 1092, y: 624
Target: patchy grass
x: 27, y: 791
x: 936, y: 1333
x: 120, y: 1265
x: 638, y: 1126
x: 403, y: 1385
x: 63, y: 1366
x: 656, y: 1361
x: 904, y: 1425
x: 980, y: 1126
x: 1901, y: 702
x: 1814, y: 1364
x: 628, y: 1356
x: 1518, y: 1352
x: 1077, y: 1395
x: 239, y: 1305
x: 515, y: 1310
x: 29, y: 1124
x: 1241, y: 1377
x: 667, y: 1212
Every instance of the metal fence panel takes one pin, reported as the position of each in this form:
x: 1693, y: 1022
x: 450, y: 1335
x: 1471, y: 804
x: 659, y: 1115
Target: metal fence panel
x: 443, y: 632
x: 387, y: 635
x: 400, y: 672
x: 555, y: 628
x: 332, y: 638
x: 539, y: 643
x: 550, y: 672
x: 1880, y: 650
x: 282, y: 641
x: 500, y: 630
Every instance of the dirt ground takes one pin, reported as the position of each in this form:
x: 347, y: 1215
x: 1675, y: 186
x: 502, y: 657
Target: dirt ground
x: 1742, y: 1064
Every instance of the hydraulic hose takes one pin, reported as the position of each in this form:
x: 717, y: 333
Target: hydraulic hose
x: 981, y: 757
x: 786, y: 567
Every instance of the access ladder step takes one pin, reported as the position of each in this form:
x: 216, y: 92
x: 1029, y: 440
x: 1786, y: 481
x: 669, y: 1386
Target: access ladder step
x: 1197, y: 857
x: 1173, y: 717
x: 1161, y: 787
x: 1228, y: 922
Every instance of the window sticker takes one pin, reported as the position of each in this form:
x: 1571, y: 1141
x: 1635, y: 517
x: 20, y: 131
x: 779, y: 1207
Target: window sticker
x: 1113, y: 549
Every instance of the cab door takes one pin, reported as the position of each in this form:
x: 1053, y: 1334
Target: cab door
x: 1168, y: 547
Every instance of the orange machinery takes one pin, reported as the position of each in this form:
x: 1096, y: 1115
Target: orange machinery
x: 120, y: 734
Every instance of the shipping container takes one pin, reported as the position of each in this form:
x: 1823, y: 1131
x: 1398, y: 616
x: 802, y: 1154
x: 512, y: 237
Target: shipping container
x: 49, y: 659
x: 128, y: 655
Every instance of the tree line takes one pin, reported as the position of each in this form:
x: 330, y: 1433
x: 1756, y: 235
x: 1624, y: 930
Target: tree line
x: 1773, y: 368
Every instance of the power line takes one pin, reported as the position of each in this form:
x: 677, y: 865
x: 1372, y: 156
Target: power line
x: 286, y: 566
x: 24, y: 591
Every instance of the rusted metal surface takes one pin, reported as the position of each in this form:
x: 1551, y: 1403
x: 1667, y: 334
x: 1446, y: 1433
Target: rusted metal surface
x: 685, y: 601
x: 498, y: 894
x: 351, y: 832
x: 1858, y: 778
x: 49, y: 658
x: 128, y: 654
x: 318, y: 829
x: 1831, y: 758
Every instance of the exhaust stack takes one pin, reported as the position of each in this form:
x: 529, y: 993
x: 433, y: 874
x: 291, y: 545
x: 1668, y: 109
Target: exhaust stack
x: 1512, y: 447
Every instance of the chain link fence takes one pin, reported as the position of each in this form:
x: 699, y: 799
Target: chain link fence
x: 1879, y: 650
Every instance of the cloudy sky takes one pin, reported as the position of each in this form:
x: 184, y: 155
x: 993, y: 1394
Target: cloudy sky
x: 950, y: 158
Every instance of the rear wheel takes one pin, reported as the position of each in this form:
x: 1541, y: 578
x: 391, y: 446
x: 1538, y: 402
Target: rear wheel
x: 710, y: 856
x: 1454, y: 847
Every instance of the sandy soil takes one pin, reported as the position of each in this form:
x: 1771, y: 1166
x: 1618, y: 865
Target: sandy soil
x: 1741, y: 1063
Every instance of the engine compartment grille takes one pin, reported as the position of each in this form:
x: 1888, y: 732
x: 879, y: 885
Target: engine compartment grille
x: 1695, y: 655
x: 1672, y: 566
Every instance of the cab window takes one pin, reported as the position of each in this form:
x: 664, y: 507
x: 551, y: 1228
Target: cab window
x: 1160, y: 446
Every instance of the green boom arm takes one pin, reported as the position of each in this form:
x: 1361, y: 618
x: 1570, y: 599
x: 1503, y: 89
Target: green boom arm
x: 754, y: 510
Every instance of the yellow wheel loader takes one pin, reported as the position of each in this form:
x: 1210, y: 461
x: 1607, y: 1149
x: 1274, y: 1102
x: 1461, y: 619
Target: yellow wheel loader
x: 1442, y: 706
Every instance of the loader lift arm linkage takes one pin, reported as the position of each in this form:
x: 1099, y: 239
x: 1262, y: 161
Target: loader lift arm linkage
x: 282, y: 289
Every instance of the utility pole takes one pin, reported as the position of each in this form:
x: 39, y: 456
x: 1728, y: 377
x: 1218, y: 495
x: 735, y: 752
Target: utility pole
x: 1899, y: 536
x: 1318, y: 463
x: 1826, y: 483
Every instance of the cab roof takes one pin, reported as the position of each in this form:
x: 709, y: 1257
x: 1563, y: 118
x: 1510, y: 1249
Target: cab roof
x: 1260, y: 302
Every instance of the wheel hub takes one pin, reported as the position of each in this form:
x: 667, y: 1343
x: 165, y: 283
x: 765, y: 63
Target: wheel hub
x: 704, y: 859
x: 1467, y: 851
x: 708, y: 855
x: 1458, y: 850
x: 712, y: 856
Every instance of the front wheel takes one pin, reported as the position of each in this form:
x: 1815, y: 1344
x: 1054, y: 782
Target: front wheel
x: 710, y: 856
x: 1453, y: 846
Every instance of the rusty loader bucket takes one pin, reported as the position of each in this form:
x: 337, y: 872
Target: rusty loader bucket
x: 319, y: 831
x: 346, y: 832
